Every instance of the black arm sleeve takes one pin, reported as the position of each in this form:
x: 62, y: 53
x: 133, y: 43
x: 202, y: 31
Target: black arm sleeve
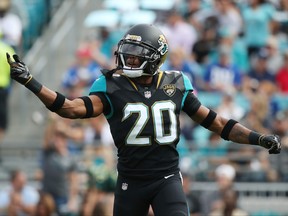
x: 191, y: 104
x: 106, y: 105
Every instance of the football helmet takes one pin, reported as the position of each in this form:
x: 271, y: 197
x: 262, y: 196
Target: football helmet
x: 148, y: 45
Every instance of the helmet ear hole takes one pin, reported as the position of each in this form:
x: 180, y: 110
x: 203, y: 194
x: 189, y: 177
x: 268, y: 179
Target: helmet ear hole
x: 152, y: 67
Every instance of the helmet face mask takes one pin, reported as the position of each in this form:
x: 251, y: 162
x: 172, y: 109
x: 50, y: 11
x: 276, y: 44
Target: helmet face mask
x: 142, y: 51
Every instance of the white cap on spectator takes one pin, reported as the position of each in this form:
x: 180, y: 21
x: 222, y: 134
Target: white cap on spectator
x: 225, y: 170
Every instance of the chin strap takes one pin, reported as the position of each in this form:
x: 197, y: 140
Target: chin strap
x: 108, y: 73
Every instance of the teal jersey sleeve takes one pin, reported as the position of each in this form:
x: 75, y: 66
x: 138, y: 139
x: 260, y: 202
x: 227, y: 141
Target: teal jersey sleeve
x: 99, y: 85
x: 187, y: 87
x: 187, y: 83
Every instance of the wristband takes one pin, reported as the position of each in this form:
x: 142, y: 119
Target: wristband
x: 254, y: 138
x: 34, y: 86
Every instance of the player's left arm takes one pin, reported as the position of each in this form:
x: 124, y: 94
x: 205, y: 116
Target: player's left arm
x: 229, y: 129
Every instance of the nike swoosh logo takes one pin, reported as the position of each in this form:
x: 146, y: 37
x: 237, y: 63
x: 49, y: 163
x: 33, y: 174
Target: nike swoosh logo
x: 166, y: 177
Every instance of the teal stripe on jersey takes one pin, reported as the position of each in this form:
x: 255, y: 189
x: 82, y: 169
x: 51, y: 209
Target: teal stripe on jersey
x: 111, y: 106
x: 99, y: 85
x: 187, y: 83
x: 184, y: 98
x: 188, y: 87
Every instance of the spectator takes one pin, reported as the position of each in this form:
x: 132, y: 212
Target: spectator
x: 204, y: 46
x: 192, y: 199
x: 10, y: 25
x: 229, y: 16
x: 101, y: 184
x: 239, y: 54
x: 18, y: 198
x: 201, y: 15
x: 179, y: 61
x: 222, y: 76
x: 280, y: 125
x: 59, y: 169
x: 262, y: 169
x: 258, y: 115
x: 257, y: 24
x: 80, y: 76
x: 214, y: 151
x: 282, y: 76
x: 259, y: 71
x: 211, y: 200
x: 229, y: 205
x: 45, y: 206
x: 108, y: 41
x: 191, y: 9
x: 104, y: 206
x: 229, y: 108
x: 281, y: 17
x: 275, y: 57
x: 179, y: 33
x: 4, y: 87
x: 78, y: 134
x: 260, y: 82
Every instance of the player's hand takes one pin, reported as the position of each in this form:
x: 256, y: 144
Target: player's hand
x: 270, y: 142
x: 18, y: 70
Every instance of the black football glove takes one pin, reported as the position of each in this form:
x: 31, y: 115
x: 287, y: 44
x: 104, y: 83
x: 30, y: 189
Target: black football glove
x: 20, y: 72
x: 271, y: 142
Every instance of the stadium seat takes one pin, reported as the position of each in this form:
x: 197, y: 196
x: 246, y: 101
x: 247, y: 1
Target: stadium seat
x: 137, y: 17
x: 157, y: 5
x: 121, y: 5
x: 265, y: 213
x: 102, y: 18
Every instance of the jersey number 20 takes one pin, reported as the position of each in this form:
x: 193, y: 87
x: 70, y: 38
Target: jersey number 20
x: 157, y: 110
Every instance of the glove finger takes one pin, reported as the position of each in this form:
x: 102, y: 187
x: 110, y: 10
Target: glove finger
x: 8, y: 58
x: 275, y: 149
x: 16, y: 58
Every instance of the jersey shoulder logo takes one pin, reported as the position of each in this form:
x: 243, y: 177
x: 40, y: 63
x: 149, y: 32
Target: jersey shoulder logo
x: 169, y: 89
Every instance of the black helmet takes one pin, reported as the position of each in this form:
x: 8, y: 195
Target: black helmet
x: 147, y: 43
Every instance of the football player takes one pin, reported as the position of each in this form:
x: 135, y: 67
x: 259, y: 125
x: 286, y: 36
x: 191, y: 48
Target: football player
x: 142, y: 105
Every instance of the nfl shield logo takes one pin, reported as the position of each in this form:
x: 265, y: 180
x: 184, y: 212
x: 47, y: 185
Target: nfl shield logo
x: 124, y: 186
x: 147, y: 94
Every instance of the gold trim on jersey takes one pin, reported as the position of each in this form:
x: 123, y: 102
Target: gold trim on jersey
x: 159, y: 79
x: 132, y: 83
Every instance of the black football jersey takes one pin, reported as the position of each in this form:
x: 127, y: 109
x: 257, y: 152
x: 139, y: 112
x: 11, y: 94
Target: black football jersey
x: 144, y: 121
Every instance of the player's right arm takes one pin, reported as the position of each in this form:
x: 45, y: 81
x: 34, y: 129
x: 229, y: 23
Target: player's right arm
x: 83, y: 107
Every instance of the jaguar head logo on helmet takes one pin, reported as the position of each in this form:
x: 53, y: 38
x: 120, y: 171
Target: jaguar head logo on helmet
x: 141, y: 51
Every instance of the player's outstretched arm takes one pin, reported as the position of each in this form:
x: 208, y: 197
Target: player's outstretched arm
x: 234, y: 131
x: 82, y: 107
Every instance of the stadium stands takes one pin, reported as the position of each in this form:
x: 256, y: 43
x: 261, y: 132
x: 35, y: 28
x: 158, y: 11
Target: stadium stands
x: 48, y: 57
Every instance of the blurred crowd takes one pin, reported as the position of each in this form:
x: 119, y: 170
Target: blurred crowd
x: 230, y: 49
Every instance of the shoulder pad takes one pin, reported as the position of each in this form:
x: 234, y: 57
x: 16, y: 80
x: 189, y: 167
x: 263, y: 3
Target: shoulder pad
x: 177, y: 78
x: 99, y: 85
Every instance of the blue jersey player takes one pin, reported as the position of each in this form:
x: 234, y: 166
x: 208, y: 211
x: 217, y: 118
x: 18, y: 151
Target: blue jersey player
x: 142, y: 105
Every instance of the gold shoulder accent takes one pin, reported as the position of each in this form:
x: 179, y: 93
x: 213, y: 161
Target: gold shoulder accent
x: 159, y: 79
x: 132, y: 83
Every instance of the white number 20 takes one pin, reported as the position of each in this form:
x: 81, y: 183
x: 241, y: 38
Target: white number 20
x: 157, y: 109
